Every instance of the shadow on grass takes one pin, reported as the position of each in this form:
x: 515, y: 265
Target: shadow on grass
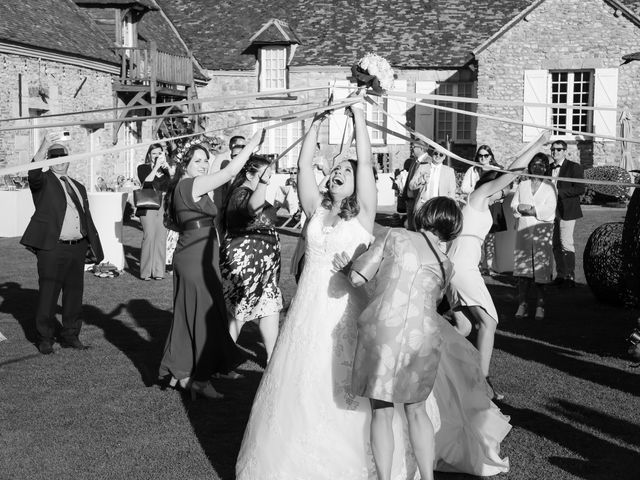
x: 144, y: 351
x: 219, y: 424
x: 20, y: 303
x: 574, y: 319
x: 601, y: 458
x: 566, y: 361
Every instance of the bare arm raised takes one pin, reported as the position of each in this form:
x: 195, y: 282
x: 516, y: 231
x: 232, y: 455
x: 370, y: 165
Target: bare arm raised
x: 479, y: 198
x: 207, y: 183
x: 308, y: 191
x: 365, y: 181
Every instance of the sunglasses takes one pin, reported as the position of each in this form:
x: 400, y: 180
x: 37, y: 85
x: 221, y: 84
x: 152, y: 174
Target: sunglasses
x: 237, y: 146
x: 558, y: 149
x: 484, y: 155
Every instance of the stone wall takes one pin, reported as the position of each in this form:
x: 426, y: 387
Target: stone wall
x: 236, y: 83
x: 563, y: 35
x: 28, y: 84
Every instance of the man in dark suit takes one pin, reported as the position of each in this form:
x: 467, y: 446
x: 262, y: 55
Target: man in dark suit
x: 61, y: 233
x: 567, y: 212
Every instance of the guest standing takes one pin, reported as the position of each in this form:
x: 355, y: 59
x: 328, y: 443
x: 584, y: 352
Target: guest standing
x: 153, y: 174
x: 534, y: 206
x: 433, y: 179
x: 468, y: 293
x: 60, y: 233
x: 199, y: 344
x: 250, y: 253
x: 568, y: 211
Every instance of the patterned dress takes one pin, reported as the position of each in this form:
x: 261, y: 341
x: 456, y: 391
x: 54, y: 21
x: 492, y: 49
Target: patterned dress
x: 533, y: 254
x: 399, y: 336
x: 250, y: 261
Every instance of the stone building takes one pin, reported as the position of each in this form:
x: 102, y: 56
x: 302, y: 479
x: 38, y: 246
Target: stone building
x: 565, y: 52
x: 61, y: 56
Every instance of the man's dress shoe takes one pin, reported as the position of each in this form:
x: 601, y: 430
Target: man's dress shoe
x: 45, y: 347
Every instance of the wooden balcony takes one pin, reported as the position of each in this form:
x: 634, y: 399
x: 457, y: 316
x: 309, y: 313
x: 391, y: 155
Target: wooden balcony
x: 159, y: 73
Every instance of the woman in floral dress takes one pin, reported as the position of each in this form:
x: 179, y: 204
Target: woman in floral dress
x: 250, y: 254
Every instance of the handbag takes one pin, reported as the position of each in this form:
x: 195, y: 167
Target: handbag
x: 401, y: 206
x: 147, y: 198
x: 499, y: 221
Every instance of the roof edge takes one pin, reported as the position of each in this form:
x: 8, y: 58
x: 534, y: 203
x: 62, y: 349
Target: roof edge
x: 71, y: 59
x: 509, y: 25
x: 505, y: 28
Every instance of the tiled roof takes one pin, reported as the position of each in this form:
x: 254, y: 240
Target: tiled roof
x: 409, y: 33
x: 54, y: 25
x: 148, y: 4
x: 275, y: 31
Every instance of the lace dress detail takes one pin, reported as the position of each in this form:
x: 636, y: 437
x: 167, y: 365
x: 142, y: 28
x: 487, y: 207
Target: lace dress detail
x: 304, y: 423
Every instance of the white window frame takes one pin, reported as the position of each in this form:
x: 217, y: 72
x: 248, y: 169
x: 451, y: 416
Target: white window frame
x: 603, y: 93
x: 270, y: 76
x: 455, y: 88
x: 569, y: 111
x: 278, y: 139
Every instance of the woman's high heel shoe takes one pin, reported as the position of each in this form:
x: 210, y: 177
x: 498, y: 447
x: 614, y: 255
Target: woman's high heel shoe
x: 204, y: 389
x: 494, y: 394
x: 522, y: 311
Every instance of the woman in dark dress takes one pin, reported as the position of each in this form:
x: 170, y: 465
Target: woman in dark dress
x: 153, y: 173
x: 199, y: 344
x: 250, y: 253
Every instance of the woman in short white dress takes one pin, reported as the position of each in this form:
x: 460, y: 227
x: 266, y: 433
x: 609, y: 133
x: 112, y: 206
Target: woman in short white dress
x: 468, y: 294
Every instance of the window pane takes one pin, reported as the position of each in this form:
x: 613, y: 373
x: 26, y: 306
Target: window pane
x: 573, y: 89
x: 273, y: 68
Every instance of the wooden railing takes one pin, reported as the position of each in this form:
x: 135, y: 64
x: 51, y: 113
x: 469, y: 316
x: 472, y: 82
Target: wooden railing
x: 148, y: 65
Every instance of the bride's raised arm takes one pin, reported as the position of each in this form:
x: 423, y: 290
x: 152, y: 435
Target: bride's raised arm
x: 308, y: 191
x: 365, y: 181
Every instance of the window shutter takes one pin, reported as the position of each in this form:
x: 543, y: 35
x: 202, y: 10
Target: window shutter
x: 338, y: 119
x: 605, y: 94
x: 425, y: 116
x: 535, y: 91
x: 397, y: 108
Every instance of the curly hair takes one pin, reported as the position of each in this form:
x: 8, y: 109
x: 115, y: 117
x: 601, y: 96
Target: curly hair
x: 253, y: 165
x: 349, y: 207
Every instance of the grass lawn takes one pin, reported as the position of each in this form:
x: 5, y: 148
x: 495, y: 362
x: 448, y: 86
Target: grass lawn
x: 571, y: 393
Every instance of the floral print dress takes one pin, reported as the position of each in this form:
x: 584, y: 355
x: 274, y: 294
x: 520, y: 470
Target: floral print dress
x: 399, y: 336
x: 249, y: 261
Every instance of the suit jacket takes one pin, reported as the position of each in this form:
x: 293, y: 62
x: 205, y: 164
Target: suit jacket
x: 45, y: 225
x: 446, y: 183
x: 569, y: 192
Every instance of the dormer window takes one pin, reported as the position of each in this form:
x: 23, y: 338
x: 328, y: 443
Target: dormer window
x: 272, y: 64
x: 274, y: 46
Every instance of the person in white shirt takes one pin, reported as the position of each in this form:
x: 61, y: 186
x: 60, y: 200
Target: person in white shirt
x: 433, y: 180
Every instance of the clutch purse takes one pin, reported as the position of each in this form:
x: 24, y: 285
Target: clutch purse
x: 147, y: 198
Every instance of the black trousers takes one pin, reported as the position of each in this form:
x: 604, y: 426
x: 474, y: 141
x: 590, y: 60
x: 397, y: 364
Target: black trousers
x: 60, y: 269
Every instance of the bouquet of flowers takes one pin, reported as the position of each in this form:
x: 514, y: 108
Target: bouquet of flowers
x: 373, y: 71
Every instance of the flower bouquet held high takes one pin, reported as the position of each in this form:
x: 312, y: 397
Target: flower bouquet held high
x: 374, y: 72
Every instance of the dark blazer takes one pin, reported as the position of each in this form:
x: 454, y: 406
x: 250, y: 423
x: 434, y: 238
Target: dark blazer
x: 45, y: 225
x: 569, y: 192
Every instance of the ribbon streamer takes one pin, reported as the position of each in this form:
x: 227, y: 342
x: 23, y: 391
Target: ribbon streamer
x: 427, y: 141
x: 286, y: 119
x: 519, y: 122
x: 244, y: 96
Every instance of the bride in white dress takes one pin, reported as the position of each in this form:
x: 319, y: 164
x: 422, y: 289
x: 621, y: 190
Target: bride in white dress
x: 304, y: 422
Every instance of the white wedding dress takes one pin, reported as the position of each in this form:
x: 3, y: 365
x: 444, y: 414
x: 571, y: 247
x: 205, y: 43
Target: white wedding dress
x: 304, y: 423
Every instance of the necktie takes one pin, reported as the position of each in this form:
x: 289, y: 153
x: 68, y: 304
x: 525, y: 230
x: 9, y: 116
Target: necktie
x: 76, y: 202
